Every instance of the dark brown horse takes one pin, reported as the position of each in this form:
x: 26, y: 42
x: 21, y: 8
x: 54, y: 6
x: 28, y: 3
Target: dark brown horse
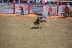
x: 40, y: 20
x: 68, y: 12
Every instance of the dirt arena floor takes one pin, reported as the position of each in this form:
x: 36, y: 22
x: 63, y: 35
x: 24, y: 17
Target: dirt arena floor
x: 17, y: 32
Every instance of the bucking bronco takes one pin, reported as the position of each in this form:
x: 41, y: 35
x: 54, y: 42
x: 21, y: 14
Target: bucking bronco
x: 39, y: 20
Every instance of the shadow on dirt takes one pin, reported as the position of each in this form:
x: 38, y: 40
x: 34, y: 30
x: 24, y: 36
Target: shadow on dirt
x: 35, y: 28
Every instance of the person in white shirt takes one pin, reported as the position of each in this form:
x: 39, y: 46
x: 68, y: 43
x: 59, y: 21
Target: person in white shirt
x: 68, y: 5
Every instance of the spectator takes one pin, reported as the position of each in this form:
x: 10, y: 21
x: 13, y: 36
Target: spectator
x: 68, y: 5
x: 22, y: 9
x: 49, y: 9
x: 48, y: 2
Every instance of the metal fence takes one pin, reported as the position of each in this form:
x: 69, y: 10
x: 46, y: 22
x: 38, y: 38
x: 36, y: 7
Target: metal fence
x: 36, y: 9
x: 5, y: 8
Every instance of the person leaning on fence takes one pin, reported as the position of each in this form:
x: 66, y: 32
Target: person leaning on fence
x: 22, y: 9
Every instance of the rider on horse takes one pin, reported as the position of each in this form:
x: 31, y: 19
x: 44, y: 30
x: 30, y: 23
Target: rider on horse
x: 41, y: 19
x: 43, y: 16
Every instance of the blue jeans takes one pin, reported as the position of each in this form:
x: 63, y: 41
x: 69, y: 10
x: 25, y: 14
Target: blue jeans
x: 22, y: 12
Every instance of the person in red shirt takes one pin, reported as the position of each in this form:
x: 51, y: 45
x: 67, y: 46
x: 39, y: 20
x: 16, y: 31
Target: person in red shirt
x: 22, y: 9
x: 49, y: 10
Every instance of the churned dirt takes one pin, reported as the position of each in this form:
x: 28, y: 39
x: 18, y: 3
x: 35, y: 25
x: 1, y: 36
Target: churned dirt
x: 17, y: 31
x: 35, y: 15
